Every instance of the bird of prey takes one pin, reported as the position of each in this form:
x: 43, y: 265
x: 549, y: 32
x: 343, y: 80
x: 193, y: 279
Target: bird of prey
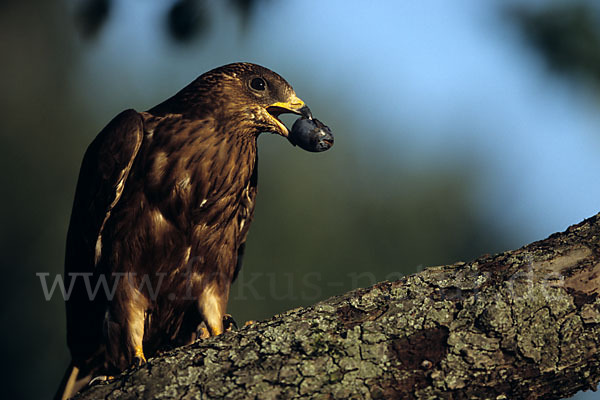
x: 161, y: 213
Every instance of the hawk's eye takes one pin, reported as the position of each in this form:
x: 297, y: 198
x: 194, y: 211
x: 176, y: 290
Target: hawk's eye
x: 258, y: 84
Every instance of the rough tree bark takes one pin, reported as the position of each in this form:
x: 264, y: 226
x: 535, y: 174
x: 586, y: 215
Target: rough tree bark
x: 523, y: 324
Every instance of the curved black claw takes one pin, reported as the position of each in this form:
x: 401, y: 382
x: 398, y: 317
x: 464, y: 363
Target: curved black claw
x: 101, y: 379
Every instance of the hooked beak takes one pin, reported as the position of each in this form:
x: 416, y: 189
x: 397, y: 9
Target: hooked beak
x: 295, y: 106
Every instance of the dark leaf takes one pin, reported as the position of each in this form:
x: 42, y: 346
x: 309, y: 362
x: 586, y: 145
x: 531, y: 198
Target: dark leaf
x: 186, y: 19
x: 245, y: 9
x: 567, y: 35
x: 91, y: 16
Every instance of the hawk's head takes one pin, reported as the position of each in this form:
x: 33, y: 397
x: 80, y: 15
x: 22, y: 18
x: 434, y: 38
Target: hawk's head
x: 247, y: 95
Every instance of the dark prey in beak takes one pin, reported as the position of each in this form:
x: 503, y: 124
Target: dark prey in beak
x: 311, y: 134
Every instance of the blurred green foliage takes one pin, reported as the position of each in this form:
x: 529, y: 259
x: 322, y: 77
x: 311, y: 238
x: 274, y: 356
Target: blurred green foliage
x: 324, y: 223
x: 566, y: 34
x: 185, y: 20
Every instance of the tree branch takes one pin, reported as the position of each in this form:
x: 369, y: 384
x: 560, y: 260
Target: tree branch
x: 523, y: 324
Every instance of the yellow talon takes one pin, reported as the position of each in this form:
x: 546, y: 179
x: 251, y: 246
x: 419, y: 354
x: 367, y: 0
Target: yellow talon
x: 203, y: 333
x: 139, y: 355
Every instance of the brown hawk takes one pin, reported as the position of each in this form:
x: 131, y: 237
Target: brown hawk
x: 161, y: 213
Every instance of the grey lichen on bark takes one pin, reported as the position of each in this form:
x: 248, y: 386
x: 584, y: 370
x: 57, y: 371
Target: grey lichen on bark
x: 523, y: 324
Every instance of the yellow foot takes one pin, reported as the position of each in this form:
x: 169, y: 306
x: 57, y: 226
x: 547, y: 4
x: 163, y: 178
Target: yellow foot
x: 139, y: 358
x: 202, y: 332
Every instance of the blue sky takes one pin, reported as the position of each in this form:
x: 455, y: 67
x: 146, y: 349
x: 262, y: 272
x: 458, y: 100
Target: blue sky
x: 438, y: 82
